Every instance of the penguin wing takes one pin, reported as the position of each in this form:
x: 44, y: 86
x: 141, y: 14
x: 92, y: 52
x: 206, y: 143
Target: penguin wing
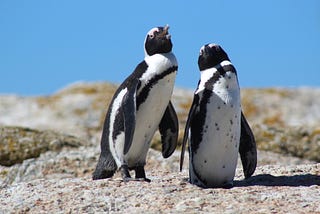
x: 169, y: 130
x: 187, y: 127
x: 247, y: 148
x: 129, y: 114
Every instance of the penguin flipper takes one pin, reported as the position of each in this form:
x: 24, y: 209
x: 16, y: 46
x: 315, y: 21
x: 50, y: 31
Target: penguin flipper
x: 247, y: 148
x: 129, y: 114
x: 187, y: 127
x: 169, y: 130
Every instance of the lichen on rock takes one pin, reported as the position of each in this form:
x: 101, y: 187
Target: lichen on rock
x: 19, y: 143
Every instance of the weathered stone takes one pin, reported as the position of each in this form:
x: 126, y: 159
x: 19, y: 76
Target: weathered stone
x: 58, y: 178
x: 19, y: 143
x: 275, y: 189
x: 303, y: 142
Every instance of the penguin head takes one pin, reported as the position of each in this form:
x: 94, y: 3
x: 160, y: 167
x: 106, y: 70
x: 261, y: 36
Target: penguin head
x: 158, y: 40
x: 210, y: 56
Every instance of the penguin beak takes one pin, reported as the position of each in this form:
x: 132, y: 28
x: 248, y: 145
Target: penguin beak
x: 206, y: 50
x: 165, y: 32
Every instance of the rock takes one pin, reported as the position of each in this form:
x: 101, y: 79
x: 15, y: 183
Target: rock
x: 303, y: 142
x: 18, y: 143
x: 276, y: 189
x: 81, y: 161
x: 66, y: 163
x: 282, y: 106
x: 84, y: 105
x: 57, y: 177
x: 79, y: 109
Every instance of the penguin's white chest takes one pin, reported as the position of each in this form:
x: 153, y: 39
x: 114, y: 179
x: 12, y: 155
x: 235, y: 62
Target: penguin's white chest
x: 216, y: 157
x: 148, y: 117
x: 150, y: 112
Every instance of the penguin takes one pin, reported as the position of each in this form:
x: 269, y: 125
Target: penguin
x: 141, y: 106
x: 216, y: 126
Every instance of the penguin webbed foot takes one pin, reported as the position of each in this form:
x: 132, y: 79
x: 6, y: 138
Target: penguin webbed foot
x: 227, y: 185
x: 140, y: 174
x: 142, y: 179
x: 127, y: 179
x: 125, y: 173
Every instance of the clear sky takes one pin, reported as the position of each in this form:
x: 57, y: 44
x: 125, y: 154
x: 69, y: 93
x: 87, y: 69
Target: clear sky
x: 46, y: 45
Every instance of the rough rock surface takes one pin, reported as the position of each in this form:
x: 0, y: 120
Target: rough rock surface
x: 58, y: 178
x: 303, y: 142
x: 18, y: 144
x: 80, y: 162
x: 79, y: 110
x: 272, y: 189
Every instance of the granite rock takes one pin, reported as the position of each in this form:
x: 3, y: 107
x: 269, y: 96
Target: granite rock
x: 63, y: 132
x: 19, y: 143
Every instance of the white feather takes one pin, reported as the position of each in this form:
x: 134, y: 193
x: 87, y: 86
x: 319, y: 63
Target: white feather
x: 119, y: 139
x: 157, y: 64
x: 150, y: 112
x: 217, y: 155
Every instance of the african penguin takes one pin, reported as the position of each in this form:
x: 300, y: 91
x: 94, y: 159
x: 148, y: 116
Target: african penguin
x: 217, y: 126
x: 139, y: 107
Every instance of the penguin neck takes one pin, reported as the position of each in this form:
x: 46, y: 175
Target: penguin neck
x: 212, y: 70
x: 210, y: 73
x: 161, y: 59
x: 224, y: 63
x: 158, y: 64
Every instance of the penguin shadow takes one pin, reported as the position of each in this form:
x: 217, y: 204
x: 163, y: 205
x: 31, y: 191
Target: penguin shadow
x: 270, y: 180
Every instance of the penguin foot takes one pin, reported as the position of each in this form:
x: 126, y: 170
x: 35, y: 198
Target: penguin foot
x: 143, y: 179
x: 140, y: 174
x: 136, y: 179
x: 127, y: 179
x: 227, y: 185
x: 125, y: 173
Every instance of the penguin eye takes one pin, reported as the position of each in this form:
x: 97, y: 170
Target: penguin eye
x: 201, y: 50
x: 154, y: 33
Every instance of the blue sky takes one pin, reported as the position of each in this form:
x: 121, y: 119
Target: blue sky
x: 46, y: 45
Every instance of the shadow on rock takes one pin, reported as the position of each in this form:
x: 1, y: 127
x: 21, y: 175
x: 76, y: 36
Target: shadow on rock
x: 270, y: 180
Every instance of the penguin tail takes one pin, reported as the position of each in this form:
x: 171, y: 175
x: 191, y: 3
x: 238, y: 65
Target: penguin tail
x: 106, y: 168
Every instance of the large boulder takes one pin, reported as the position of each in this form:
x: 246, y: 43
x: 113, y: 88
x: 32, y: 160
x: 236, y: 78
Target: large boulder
x: 18, y: 143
